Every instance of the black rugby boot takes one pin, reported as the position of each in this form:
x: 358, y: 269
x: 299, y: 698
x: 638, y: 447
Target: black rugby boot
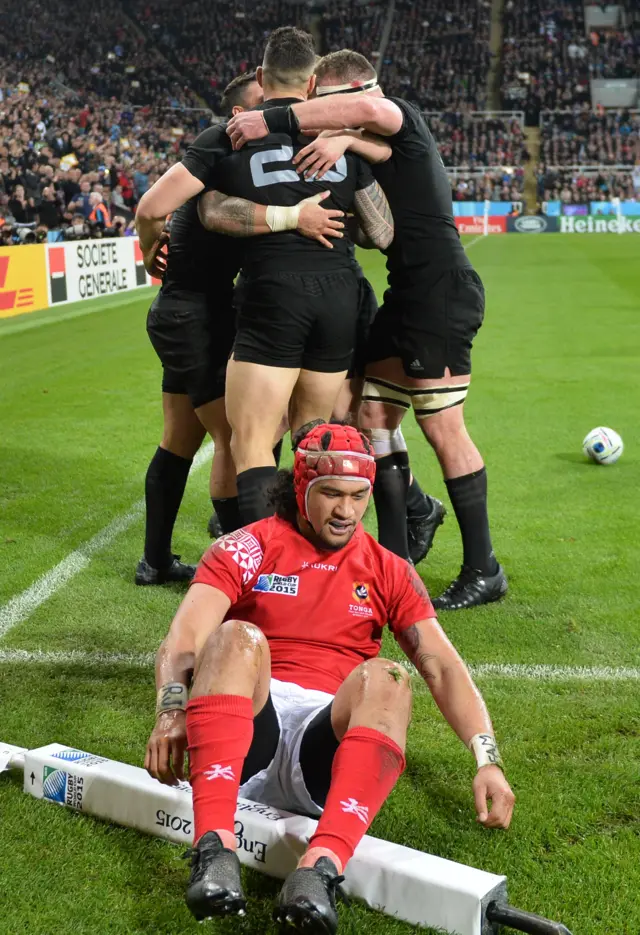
x: 214, y: 527
x: 307, y: 901
x: 421, y: 530
x: 176, y: 571
x: 472, y: 588
x: 215, y: 886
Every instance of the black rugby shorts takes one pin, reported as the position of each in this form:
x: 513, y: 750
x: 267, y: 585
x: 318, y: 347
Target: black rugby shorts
x: 305, y: 320
x: 192, y: 334
x: 367, y: 311
x: 432, y: 327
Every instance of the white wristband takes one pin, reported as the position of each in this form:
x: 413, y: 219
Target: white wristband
x: 280, y: 218
x: 172, y: 697
x: 485, y: 750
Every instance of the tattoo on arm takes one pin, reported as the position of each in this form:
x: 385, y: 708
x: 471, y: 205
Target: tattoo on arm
x: 411, y: 643
x: 227, y: 214
x: 374, y: 215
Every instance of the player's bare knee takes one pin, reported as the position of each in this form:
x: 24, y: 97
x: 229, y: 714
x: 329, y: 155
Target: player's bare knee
x: 242, y: 636
x: 234, y: 638
x: 443, y: 430
x: 383, y: 679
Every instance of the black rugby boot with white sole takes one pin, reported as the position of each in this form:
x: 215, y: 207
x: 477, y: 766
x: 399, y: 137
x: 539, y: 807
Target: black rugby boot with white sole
x: 215, y: 885
x: 421, y: 530
x: 472, y: 588
x: 177, y: 571
x: 307, y: 901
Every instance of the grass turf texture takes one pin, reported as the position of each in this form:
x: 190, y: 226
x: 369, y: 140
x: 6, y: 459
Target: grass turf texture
x: 558, y: 355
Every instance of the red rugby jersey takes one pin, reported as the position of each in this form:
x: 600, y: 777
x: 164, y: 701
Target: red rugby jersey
x: 322, y: 612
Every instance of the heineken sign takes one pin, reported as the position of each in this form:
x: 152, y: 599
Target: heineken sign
x: 596, y: 224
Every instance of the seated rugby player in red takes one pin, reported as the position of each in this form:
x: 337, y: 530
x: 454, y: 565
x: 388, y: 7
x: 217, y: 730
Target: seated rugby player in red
x: 290, y: 703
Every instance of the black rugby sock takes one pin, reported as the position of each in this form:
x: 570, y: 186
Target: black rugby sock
x: 277, y: 453
x: 418, y: 504
x: 253, y: 491
x: 390, y: 497
x: 228, y: 512
x: 163, y: 489
x: 469, y: 499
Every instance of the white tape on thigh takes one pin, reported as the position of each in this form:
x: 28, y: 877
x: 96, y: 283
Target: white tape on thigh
x: 382, y: 391
x: 387, y: 441
x: 438, y: 398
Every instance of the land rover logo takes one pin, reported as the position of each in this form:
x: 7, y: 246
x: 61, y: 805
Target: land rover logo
x: 530, y: 225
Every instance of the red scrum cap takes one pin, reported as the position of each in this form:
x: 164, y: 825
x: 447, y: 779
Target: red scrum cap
x: 338, y: 451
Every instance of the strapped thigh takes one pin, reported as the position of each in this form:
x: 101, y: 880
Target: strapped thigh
x: 376, y: 390
x: 428, y: 402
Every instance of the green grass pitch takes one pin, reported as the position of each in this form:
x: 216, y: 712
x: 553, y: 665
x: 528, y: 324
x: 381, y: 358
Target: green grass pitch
x: 558, y: 355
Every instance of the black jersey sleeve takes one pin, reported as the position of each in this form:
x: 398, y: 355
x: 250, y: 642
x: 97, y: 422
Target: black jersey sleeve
x: 364, y: 175
x: 414, y: 134
x: 206, y: 151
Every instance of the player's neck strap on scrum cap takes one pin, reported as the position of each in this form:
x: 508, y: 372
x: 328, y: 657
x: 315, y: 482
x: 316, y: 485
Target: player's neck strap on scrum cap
x: 339, y: 452
x: 353, y: 87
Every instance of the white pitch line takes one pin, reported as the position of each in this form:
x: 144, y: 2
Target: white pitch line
x: 21, y: 607
x: 475, y: 240
x: 549, y: 673
x: 78, y: 657
x: 499, y: 670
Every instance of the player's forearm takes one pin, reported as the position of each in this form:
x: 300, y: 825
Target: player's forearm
x: 349, y: 111
x: 371, y: 147
x: 460, y: 702
x: 235, y: 217
x: 164, y: 197
x: 148, y: 230
x: 374, y: 216
x: 175, y: 660
x: 447, y: 678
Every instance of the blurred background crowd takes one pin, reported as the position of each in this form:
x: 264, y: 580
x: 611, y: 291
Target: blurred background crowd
x: 94, y: 107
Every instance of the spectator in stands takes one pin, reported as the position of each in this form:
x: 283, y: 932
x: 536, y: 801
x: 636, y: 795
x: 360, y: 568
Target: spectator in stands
x: 22, y: 208
x: 50, y: 211
x: 99, y: 213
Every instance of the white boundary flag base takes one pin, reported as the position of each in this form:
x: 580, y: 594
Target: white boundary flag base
x: 412, y: 886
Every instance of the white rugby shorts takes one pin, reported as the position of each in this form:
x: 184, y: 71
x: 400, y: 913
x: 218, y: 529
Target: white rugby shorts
x: 281, y: 784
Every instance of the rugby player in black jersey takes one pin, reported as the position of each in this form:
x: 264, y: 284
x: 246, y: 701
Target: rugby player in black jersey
x: 297, y: 320
x: 420, y: 346
x: 191, y: 324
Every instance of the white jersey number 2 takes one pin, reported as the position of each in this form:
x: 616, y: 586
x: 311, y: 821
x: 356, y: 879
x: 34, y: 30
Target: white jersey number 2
x: 285, y: 154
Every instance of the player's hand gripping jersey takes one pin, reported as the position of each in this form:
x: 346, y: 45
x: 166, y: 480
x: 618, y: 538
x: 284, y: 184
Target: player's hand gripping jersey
x: 322, y: 612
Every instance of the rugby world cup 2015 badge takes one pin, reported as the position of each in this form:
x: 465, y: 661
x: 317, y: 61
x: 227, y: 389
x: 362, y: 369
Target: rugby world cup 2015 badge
x: 62, y: 787
x: 278, y: 584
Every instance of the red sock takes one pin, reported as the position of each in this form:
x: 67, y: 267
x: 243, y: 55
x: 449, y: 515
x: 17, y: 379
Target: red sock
x: 366, y: 767
x: 220, y: 731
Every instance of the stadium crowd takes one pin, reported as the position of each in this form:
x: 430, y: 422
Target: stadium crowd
x: 57, y: 155
x: 354, y: 24
x: 101, y: 106
x: 212, y: 42
x: 586, y: 138
x: 549, y: 59
x: 574, y: 187
x: 438, y: 54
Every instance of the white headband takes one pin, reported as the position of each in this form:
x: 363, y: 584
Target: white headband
x: 354, y: 87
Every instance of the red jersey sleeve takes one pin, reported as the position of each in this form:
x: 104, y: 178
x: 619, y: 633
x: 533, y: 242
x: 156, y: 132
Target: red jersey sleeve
x: 232, y: 563
x: 408, y: 601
